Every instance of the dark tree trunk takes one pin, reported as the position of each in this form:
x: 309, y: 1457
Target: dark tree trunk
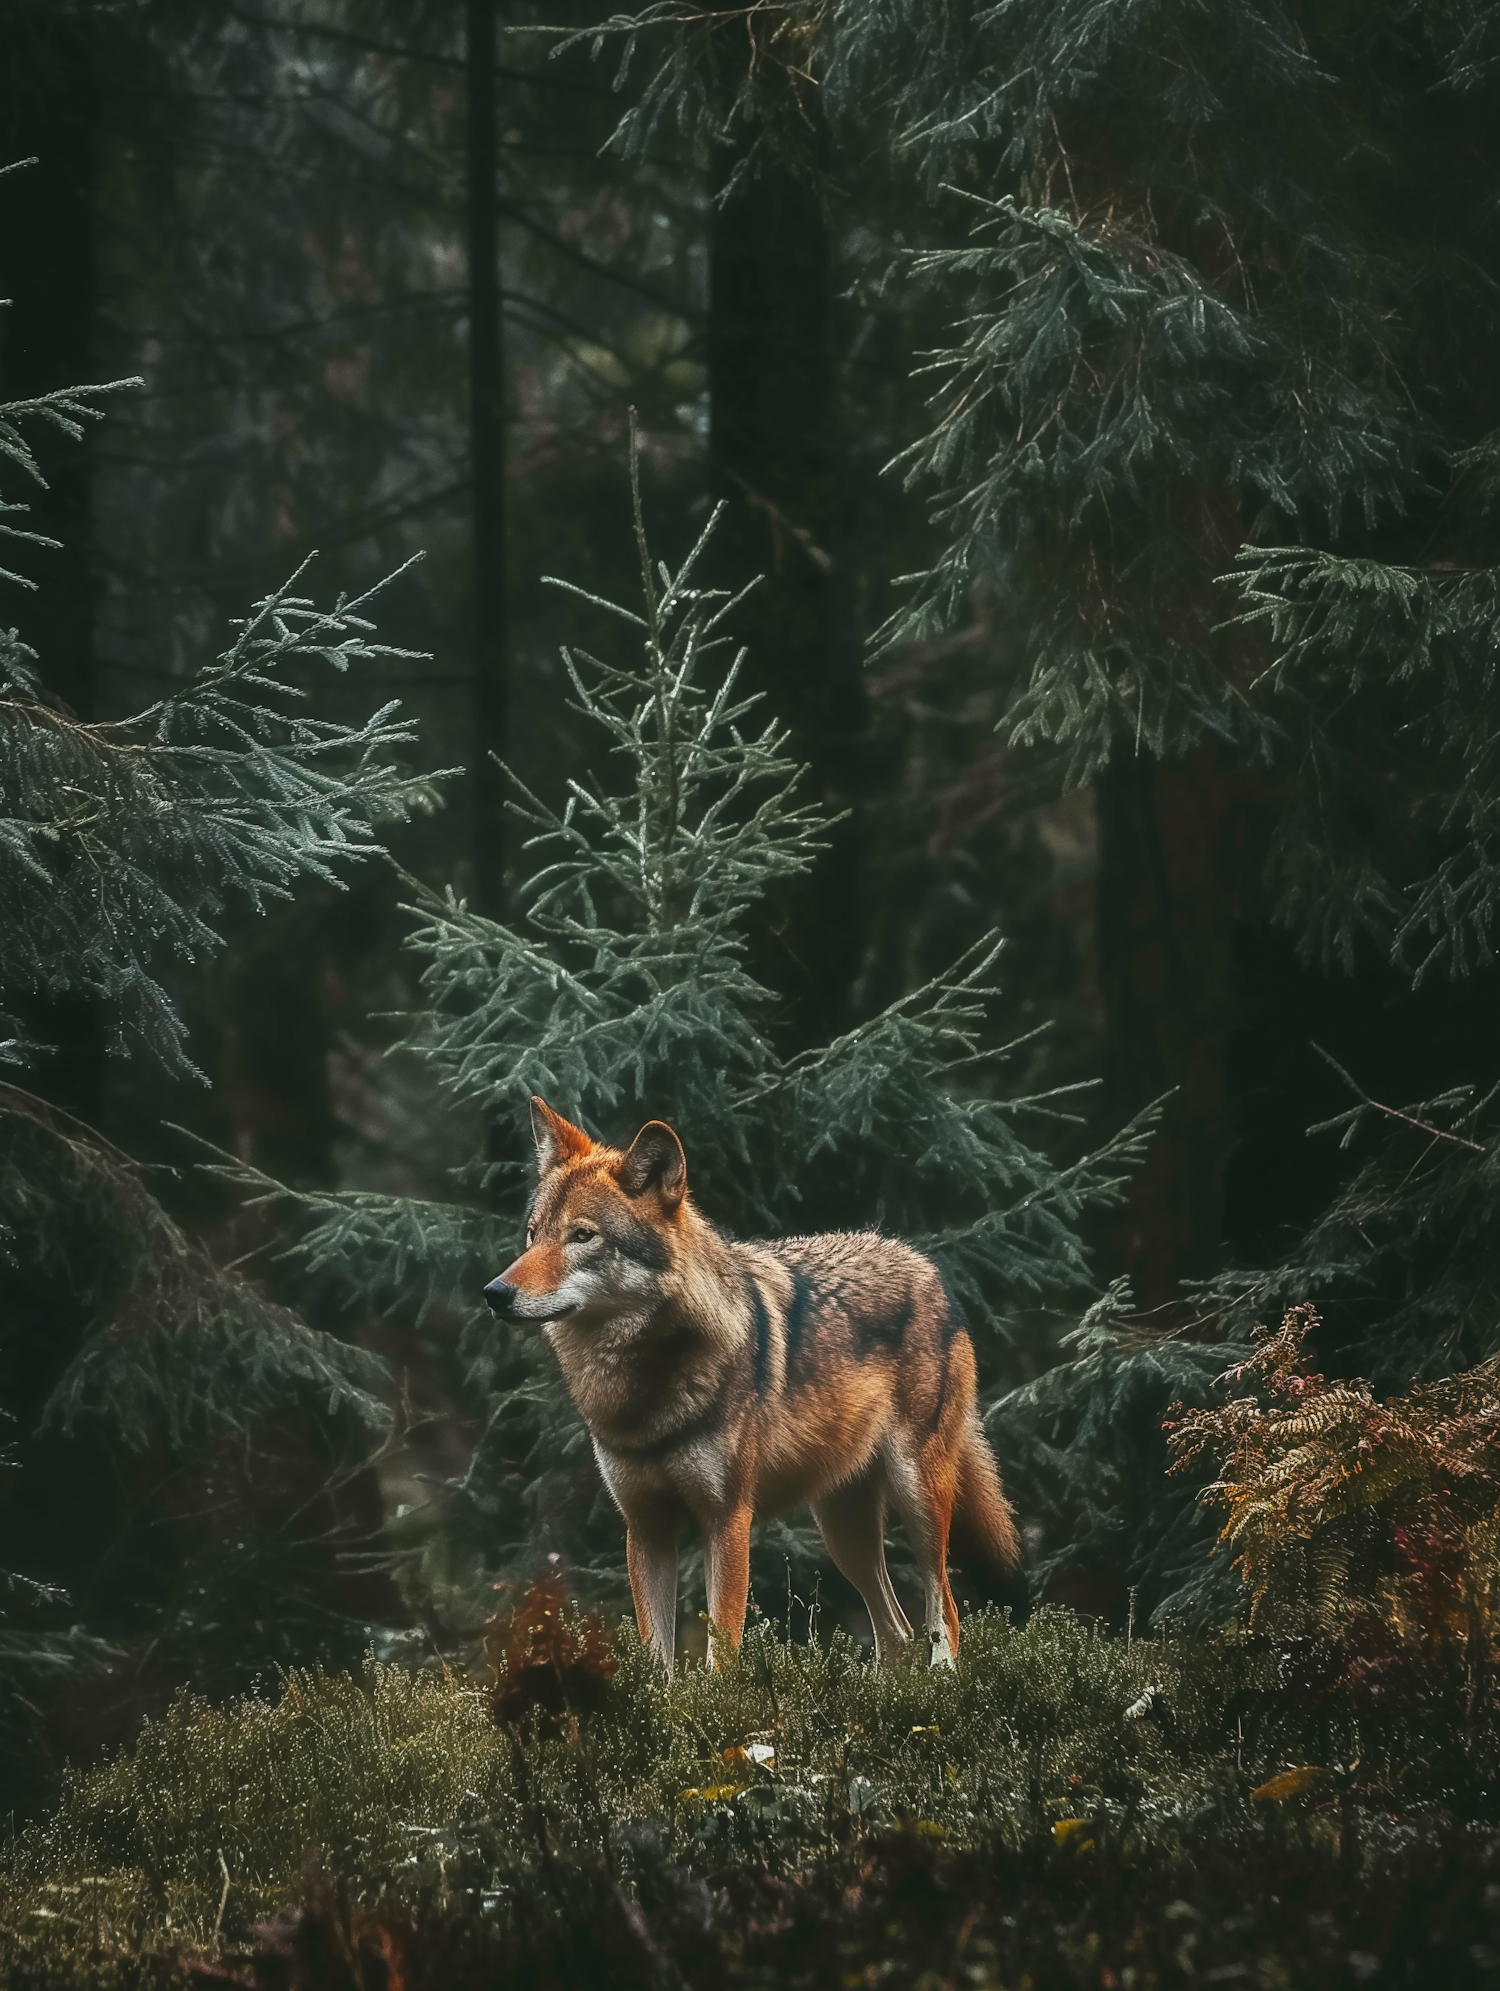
x: 48, y: 111
x: 487, y: 455
x: 771, y: 393
x: 48, y: 108
x: 1179, y: 843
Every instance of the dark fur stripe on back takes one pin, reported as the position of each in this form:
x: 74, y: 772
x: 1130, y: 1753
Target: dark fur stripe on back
x: 887, y: 1329
x: 796, y: 1322
x: 762, y: 1350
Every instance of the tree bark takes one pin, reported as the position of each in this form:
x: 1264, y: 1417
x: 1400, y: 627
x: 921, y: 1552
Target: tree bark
x: 48, y: 107
x: 773, y: 454
x: 487, y: 457
x: 49, y: 111
x: 1179, y: 844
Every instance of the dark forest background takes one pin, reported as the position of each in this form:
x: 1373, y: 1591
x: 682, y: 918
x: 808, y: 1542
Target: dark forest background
x: 393, y: 278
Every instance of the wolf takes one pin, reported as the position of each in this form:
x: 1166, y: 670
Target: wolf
x: 721, y: 1380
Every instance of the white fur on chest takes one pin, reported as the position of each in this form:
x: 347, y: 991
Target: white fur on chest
x: 696, y: 1473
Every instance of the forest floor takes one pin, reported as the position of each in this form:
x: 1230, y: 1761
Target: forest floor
x: 1065, y: 1809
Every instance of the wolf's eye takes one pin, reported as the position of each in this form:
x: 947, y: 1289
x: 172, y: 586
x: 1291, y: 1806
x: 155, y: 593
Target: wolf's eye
x: 530, y: 1236
x: 581, y: 1233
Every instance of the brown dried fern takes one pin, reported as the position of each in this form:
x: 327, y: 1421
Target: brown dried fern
x: 1371, y: 1527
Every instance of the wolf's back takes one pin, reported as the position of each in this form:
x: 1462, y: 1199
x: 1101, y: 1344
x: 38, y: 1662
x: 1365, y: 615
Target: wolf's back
x: 860, y: 1299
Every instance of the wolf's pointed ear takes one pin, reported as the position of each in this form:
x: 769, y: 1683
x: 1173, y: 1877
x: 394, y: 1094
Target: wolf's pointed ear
x: 556, y: 1139
x: 655, y: 1161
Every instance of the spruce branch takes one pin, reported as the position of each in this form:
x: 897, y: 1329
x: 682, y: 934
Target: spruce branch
x: 621, y: 992
x: 177, y: 1342
x: 123, y: 842
x: 1353, y: 1119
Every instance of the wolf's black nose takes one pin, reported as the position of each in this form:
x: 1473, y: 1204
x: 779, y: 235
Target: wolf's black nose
x: 501, y: 1297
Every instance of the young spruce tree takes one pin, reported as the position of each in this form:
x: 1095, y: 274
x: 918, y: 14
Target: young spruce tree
x: 622, y: 994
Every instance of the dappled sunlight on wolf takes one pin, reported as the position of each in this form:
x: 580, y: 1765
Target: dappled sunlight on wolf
x: 721, y: 1381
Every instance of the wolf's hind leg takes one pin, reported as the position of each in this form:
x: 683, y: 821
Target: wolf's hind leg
x: 851, y: 1520
x: 651, y: 1557
x: 924, y: 1489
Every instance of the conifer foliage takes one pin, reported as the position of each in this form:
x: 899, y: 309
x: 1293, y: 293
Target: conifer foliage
x: 1211, y: 433
x: 1083, y: 1442
x: 128, y: 1359
x: 122, y: 842
x: 1381, y: 685
x: 624, y: 992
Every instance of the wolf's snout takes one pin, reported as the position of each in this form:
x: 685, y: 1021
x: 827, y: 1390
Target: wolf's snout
x: 501, y: 1297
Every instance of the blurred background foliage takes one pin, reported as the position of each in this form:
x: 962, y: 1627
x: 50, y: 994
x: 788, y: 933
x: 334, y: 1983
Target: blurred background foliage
x: 1156, y: 349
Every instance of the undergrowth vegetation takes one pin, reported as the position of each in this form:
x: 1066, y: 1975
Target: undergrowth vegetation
x: 1066, y: 1807
x: 1366, y: 1528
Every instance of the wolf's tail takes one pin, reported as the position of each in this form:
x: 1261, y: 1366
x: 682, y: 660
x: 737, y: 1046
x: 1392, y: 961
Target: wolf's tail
x: 982, y: 1535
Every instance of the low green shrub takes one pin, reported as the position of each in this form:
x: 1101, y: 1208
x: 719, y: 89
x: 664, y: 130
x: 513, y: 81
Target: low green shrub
x: 693, y: 1826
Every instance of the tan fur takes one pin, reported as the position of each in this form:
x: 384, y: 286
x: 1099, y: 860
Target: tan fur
x: 721, y: 1381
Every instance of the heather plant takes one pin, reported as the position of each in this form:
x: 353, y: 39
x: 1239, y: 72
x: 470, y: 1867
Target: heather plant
x: 372, y: 1771
x: 1064, y: 1803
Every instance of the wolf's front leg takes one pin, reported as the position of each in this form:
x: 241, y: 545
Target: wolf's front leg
x: 728, y: 1580
x: 651, y: 1556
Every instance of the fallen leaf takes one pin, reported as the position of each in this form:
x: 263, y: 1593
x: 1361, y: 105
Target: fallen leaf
x: 1289, y: 1783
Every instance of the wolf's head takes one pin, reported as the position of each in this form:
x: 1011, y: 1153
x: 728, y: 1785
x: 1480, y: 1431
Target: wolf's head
x: 600, y: 1233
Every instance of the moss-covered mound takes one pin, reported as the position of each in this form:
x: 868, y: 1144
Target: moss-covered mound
x: 1062, y: 1809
